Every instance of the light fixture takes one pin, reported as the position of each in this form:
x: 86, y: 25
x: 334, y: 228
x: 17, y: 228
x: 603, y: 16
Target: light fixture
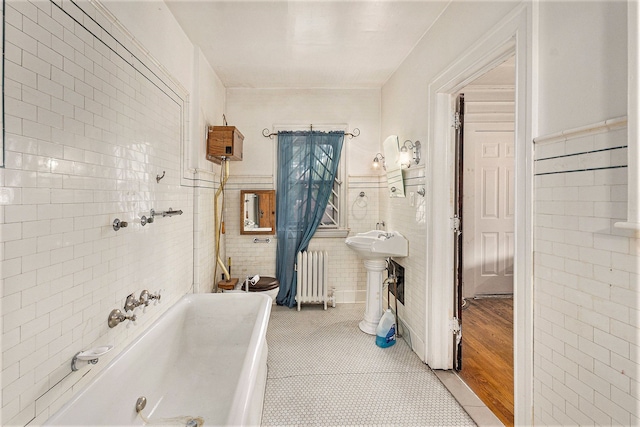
x: 376, y: 162
x: 405, y: 156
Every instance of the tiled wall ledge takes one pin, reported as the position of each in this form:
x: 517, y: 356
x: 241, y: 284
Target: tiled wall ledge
x: 365, y: 181
x: 250, y: 182
x: 626, y: 157
x: 267, y: 182
x: 628, y: 225
x: 202, y: 178
x: 633, y: 100
x: 592, y: 129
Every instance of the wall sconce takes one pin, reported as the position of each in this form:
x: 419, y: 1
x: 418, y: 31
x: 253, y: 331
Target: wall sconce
x: 376, y: 162
x: 405, y: 156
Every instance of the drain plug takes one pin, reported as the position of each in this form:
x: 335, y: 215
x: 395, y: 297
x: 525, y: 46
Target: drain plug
x: 141, y: 403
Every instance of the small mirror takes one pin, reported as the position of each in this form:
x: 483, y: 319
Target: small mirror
x: 257, y: 212
x: 395, y: 181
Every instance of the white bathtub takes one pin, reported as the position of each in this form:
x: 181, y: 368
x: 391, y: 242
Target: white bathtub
x: 204, y: 357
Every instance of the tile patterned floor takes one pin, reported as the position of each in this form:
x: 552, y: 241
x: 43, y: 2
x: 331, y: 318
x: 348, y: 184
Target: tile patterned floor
x: 324, y: 372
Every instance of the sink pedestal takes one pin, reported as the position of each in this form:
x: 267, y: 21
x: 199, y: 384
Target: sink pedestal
x: 373, y: 310
x: 374, y: 247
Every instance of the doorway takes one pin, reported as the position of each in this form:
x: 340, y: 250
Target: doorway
x: 510, y: 36
x: 484, y: 237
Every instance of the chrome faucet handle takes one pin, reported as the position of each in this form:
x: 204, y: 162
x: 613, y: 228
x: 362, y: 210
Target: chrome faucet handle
x: 155, y: 296
x: 131, y: 303
x: 117, y: 224
x: 145, y: 298
x: 116, y: 317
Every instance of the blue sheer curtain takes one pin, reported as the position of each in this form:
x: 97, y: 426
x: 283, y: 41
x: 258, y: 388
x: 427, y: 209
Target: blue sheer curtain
x: 307, y: 166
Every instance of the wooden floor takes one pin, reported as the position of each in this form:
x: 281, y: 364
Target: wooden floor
x: 487, y: 353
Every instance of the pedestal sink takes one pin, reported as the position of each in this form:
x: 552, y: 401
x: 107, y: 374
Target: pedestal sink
x: 374, y: 247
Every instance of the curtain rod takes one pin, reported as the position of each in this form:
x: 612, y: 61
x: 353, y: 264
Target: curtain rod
x: 354, y: 134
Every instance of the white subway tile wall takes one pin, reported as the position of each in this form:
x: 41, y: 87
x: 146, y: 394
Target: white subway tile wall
x: 408, y: 215
x: 585, y: 289
x: 90, y: 121
x: 204, y: 239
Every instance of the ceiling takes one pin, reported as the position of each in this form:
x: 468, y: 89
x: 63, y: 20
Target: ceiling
x: 503, y: 74
x: 305, y: 44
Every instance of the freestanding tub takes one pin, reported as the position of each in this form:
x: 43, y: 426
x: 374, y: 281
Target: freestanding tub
x: 205, y: 357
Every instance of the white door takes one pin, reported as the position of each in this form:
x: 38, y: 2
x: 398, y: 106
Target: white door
x: 489, y: 164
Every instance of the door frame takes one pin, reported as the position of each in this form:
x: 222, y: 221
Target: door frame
x: 458, y: 194
x: 512, y: 36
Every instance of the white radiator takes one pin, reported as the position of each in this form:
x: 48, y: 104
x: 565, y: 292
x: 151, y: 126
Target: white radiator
x: 313, y: 273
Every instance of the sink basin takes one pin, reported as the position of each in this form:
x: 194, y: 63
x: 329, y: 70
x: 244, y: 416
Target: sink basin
x: 377, y: 244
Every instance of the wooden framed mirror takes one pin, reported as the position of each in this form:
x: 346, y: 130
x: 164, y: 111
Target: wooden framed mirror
x: 257, y: 211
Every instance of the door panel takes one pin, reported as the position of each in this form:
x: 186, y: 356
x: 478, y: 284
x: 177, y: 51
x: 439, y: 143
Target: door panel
x: 489, y: 191
x: 494, y: 216
x: 490, y: 254
x: 490, y: 151
x: 509, y: 193
x: 509, y: 247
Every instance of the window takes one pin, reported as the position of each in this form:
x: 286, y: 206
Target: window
x: 333, y: 222
x: 331, y: 218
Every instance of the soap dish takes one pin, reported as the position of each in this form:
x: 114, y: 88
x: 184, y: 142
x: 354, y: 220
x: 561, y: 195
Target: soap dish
x: 90, y: 356
x: 94, y: 353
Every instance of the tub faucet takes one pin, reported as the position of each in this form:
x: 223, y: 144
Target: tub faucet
x: 144, y: 298
x: 155, y: 296
x: 131, y: 303
x: 380, y: 225
x: 116, y: 317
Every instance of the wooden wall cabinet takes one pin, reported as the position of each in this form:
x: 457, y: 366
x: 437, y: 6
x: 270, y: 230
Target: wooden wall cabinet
x: 224, y: 141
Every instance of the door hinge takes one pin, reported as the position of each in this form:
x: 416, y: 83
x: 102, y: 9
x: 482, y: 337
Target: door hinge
x: 456, y: 329
x: 456, y: 121
x: 455, y: 223
x: 454, y: 325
